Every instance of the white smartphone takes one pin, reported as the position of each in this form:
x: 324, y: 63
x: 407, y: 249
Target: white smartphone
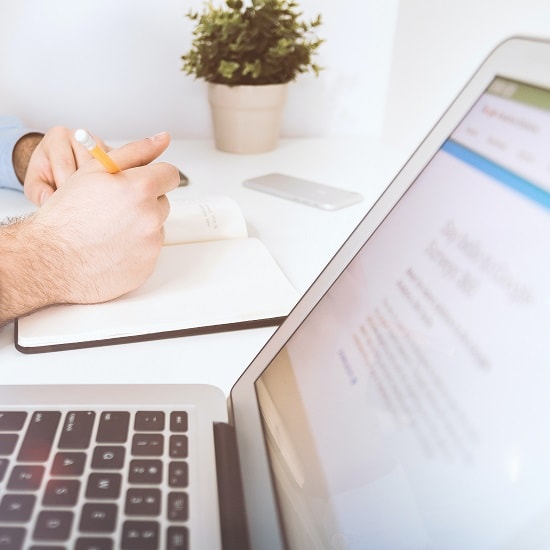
x: 308, y: 192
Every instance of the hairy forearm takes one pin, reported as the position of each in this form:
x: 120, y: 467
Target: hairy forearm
x: 22, y: 153
x: 29, y: 269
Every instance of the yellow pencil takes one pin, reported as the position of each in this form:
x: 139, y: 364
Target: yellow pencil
x: 85, y: 139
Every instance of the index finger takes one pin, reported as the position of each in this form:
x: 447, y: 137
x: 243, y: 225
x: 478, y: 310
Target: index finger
x: 62, y: 153
x: 165, y: 177
x: 141, y: 152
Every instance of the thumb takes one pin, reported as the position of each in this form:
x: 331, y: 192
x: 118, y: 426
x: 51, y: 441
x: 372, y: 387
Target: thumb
x: 141, y: 152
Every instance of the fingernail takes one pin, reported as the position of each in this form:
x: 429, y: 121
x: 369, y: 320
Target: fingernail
x: 159, y: 136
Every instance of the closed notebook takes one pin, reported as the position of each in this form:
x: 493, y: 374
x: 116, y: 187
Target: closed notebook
x: 222, y: 280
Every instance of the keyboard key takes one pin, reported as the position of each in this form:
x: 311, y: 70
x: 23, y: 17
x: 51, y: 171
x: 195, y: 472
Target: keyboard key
x: 142, y: 502
x: 61, y: 492
x: 178, y: 446
x: 39, y: 437
x: 98, y: 517
x: 68, y: 464
x: 177, y: 538
x: 11, y: 538
x: 3, y: 467
x: 93, y: 543
x: 12, y: 421
x: 147, y: 444
x: 26, y: 478
x: 48, y: 547
x: 53, y: 525
x: 140, y: 535
x: 104, y: 485
x: 113, y: 427
x: 108, y: 457
x: 178, y: 421
x: 16, y: 508
x: 149, y: 421
x: 145, y: 471
x: 177, y: 506
x: 178, y: 475
x: 7, y: 443
x: 77, y: 430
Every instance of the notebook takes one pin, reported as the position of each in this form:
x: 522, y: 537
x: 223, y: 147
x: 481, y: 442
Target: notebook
x: 403, y: 403
x: 210, y: 277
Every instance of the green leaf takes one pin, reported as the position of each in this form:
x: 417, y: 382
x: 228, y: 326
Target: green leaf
x: 227, y: 68
x: 234, y: 4
x: 253, y: 69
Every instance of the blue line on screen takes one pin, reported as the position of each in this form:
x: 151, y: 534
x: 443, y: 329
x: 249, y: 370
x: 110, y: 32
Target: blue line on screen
x: 499, y: 173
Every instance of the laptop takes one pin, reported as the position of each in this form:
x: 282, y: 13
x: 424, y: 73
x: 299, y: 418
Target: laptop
x: 403, y: 403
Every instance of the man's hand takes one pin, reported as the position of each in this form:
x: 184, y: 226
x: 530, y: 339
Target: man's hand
x: 97, y: 237
x: 55, y: 158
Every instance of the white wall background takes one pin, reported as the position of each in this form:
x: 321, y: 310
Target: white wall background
x: 113, y: 66
x: 392, y: 66
x: 439, y: 44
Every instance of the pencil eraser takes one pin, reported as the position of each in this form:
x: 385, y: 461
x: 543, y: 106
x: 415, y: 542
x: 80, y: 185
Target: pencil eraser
x: 84, y: 138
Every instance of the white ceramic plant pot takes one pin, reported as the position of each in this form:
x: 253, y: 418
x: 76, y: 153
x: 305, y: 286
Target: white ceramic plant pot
x: 247, y: 119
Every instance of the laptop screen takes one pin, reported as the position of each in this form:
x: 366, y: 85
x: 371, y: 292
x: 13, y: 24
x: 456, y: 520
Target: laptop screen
x: 410, y: 409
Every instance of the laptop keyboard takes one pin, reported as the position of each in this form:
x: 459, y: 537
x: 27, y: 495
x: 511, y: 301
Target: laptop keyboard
x: 94, y: 480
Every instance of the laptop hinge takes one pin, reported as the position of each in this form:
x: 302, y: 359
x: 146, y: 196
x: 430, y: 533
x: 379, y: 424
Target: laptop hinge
x: 234, y: 528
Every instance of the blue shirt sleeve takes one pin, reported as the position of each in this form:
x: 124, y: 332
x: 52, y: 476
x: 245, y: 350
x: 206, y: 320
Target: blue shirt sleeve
x: 11, y: 131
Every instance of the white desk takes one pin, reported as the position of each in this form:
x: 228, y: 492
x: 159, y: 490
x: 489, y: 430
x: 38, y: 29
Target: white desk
x: 302, y: 239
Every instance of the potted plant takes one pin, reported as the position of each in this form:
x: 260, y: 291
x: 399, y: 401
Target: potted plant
x: 248, y: 54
